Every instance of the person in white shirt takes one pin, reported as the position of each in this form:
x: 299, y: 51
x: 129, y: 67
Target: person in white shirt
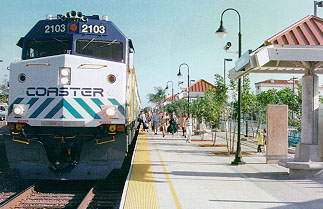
x: 142, y: 120
x: 202, y: 129
x: 189, y: 128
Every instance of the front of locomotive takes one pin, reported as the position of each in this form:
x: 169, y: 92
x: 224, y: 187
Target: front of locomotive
x: 67, y: 99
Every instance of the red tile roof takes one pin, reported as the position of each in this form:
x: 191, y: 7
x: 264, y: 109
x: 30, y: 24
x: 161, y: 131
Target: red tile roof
x: 200, y: 86
x: 278, y: 81
x: 172, y: 98
x: 307, y: 31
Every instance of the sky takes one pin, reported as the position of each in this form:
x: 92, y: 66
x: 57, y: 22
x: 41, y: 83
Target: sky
x: 165, y: 33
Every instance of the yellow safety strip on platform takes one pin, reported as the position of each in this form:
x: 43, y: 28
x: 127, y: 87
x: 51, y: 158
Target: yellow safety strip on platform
x: 170, y: 184
x: 141, y: 191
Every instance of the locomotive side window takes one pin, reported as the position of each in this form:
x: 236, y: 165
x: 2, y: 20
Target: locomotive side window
x: 111, y: 50
x: 44, y: 48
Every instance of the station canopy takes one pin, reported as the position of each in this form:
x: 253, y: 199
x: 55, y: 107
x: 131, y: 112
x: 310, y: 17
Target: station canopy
x: 291, y: 51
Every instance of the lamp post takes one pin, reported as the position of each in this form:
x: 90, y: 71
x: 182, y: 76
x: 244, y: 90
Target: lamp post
x: 293, y: 79
x: 188, y: 84
x: 229, y: 60
x: 172, y: 87
x: 221, y: 32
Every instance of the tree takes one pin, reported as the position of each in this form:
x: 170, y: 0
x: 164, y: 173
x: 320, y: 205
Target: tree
x: 283, y: 96
x: 294, y: 102
x: 177, y: 106
x: 158, y: 97
x: 197, y: 108
x: 4, y: 98
x: 263, y: 99
x: 231, y: 113
x: 215, y: 102
x: 248, y: 101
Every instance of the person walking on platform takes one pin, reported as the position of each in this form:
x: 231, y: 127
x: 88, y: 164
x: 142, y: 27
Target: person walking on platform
x: 265, y: 139
x: 172, y: 128
x: 163, y: 122
x: 202, y: 129
x: 189, y: 128
x: 156, y: 122
x: 260, y: 142
x: 142, y: 120
x: 146, y: 122
x: 182, y: 123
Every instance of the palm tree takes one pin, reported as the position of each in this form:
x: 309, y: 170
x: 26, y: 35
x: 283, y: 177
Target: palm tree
x: 158, y: 97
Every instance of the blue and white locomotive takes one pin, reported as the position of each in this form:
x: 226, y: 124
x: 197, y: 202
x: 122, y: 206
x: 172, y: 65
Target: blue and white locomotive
x: 73, y: 99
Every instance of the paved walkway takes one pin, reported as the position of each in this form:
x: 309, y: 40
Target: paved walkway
x: 186, y: 175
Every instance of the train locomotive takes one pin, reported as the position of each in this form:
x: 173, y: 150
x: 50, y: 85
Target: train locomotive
x: 73, y: 99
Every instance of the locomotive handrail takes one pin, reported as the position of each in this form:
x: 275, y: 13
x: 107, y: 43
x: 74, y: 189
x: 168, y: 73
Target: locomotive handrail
x: 29, y: 64
x: 104, y: 142
x: 82, y: 65
x: 20, y: 141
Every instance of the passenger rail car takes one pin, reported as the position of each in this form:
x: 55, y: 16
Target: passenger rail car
x: 73, y: 99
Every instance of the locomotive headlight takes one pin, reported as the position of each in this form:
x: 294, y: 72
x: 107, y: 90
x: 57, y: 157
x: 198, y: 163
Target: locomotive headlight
x: 109, y: 111
x: 65, y: 81
x: 19, y: 109
x: 65, y: 76
x: 65, y: 72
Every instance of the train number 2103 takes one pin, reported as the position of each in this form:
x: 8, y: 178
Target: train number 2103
x: 60, y: 28
x: 93, y: 29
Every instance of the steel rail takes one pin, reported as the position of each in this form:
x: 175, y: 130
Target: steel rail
x: 15, y: 199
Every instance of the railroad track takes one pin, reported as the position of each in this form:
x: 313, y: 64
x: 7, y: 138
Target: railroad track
x: 11, y: 183
x: 73, y: 194
x: 70, y: 194
x: 50, y: 194
x: 107, y: 194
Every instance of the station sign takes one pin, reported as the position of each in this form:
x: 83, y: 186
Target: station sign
x: 243, y: 61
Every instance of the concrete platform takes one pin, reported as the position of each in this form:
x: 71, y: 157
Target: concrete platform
x: 170, y: 173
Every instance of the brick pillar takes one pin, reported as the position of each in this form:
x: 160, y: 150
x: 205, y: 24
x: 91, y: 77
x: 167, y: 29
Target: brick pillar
x: 277, y: 133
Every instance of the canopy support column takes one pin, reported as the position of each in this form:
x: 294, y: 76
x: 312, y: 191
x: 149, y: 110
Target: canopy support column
x: 307, y: 150
x: 307, y: 161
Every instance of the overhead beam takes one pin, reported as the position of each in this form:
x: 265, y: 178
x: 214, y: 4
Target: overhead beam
x: 295, y: 53
x: 283, y: 60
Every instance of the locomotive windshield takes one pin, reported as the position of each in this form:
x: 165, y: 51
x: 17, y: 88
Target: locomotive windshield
x: 44, y: 48
x: 111, y: 50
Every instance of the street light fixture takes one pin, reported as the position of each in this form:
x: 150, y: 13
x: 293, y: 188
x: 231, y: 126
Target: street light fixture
x: 188, y: 84
x: 180, y: 84
x: 172, y: 87
x: 221, y: 32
